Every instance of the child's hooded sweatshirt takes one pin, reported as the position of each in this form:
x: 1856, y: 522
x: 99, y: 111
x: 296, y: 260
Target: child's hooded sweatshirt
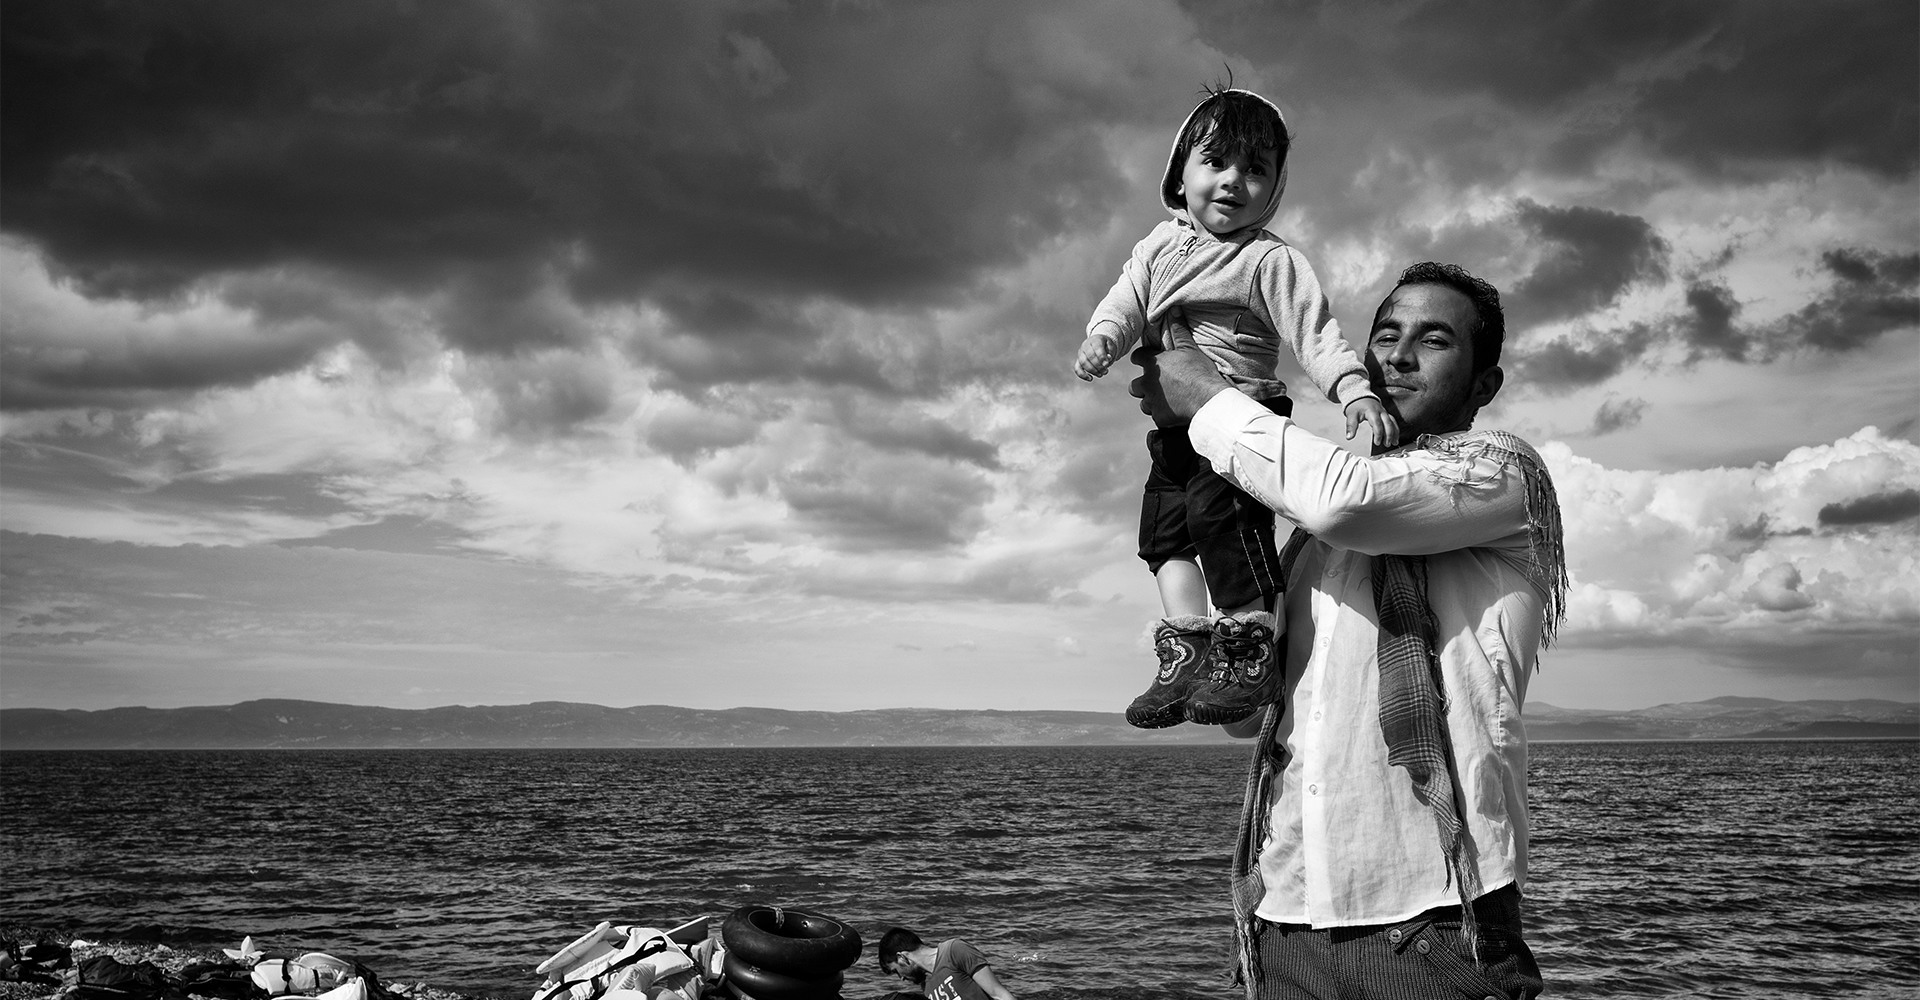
x: 1243, y: 293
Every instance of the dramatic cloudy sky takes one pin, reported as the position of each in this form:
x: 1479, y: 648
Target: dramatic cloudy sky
x: 717, y: 353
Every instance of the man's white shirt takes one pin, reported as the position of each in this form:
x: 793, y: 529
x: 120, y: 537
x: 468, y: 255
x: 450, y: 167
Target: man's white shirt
x: 1347, y: 843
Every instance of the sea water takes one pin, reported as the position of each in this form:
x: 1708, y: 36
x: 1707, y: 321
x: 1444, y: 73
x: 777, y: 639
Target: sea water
x: 1738, y: 869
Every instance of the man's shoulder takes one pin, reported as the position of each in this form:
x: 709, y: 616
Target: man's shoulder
x: 1489, y: 456
x: 1503, y: 447
x: 958, y: 953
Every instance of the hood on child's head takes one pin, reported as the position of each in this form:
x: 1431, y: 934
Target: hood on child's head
x: 1244, y: 114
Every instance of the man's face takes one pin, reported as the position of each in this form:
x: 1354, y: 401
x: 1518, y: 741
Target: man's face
x: 903, y: 968
x: 1420, y: 355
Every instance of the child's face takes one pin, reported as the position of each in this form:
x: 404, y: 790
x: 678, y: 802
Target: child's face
x: 1226, y: 193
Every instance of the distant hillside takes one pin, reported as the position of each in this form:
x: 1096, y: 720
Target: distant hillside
x: 277, y: 723
x: 280, y: 723
x: 1730, y: 718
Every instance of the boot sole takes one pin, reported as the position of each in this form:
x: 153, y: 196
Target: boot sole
x: 1163, y: 718
x: 1219, y: 715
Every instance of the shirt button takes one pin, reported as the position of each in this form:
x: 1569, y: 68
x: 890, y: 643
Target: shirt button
x: 1423, y: 947
x: 1394, y: 935
x: 1316, y: 715
x: 1313, y: 789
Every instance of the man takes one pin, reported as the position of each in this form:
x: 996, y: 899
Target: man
x: 955, y: 970
x: 1388, y: 794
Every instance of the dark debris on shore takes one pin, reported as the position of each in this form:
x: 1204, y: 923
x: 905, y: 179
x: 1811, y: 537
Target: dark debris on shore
x: 166, y: 958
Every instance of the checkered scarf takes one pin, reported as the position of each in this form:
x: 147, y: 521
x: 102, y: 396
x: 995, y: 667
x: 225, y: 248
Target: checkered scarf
x: 1413, y: 703
x: 1413, y: 717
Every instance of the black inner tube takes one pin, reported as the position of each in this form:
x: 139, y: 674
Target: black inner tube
x: 796, y: 943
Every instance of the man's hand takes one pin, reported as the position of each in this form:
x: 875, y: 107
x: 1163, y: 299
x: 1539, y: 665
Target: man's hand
x: 1175, y: 383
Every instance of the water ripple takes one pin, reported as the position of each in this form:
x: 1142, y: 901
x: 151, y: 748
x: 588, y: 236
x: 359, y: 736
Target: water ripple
x: 1659, y: 870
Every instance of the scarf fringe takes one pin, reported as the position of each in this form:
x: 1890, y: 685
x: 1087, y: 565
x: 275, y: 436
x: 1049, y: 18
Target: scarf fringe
x: 1547, y: 552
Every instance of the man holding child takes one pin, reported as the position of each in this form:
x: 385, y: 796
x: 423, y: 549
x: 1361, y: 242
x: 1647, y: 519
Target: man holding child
x: 1388, y: 795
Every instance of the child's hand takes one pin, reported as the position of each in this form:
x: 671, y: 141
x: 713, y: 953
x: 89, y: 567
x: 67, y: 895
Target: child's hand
x: 1386, y: 430
x: 1095, y: 357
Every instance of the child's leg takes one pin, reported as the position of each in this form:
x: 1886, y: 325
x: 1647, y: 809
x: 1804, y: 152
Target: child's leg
x: 1183, y: 589
x: 1180, y: 639
x: 1234, y: 535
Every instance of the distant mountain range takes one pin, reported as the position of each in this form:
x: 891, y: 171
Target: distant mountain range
x: 286, y: 724
x: 1729, y: 718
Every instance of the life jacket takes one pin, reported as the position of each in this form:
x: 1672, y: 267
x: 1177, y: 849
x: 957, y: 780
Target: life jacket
x: 222, y: 980
x: 103, y: 977
x: 612, y: 959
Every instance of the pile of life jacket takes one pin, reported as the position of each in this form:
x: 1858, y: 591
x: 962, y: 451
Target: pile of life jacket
x: 627, y: 963
x: 763, y: 952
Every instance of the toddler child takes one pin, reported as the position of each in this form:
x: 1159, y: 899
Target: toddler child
x: 1242, y: 292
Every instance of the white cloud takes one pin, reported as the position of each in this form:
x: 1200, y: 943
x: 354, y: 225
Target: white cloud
x: 1697, y: 552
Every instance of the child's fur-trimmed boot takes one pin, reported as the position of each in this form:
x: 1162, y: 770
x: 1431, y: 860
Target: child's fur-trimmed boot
x: 1182, y: 644
x: 1243, y: 673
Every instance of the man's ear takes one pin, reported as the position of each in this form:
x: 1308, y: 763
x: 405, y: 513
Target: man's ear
x: 1486, y: 385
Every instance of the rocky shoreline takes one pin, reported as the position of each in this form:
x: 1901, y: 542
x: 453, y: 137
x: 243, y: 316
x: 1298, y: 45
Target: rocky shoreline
x: 168, y: 959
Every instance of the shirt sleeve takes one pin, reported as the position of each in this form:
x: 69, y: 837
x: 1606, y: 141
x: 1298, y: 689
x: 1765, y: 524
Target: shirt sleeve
x: 1288, y: 297
x: 1122, y: 313
x: 964, y: 956
x: 1419, y: 502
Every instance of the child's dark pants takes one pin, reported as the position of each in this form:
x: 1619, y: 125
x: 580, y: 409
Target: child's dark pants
x: 1189, y: 510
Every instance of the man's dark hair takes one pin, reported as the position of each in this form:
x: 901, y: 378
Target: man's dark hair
x: 895, y: 943
x: 1491, y: 330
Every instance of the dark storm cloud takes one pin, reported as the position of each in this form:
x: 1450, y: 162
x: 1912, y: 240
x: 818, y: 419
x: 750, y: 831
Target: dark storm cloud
x: 1827, y: 82
x: 1708, y: 324
x: 1601, y: 356
x: 730, y: 166
x: 927, y: 437
x: 1872, y: 294
x: 686, y: 434
x: 37, y: 375
x: 1716, y: 86
x: 717, y: 336
x: 543, y: 392
x: 1588, y: 257
x: 1875, y: 294
x: 692, y: 363
x: 1617, y: 414
x: 865, y: 504
x: 1881, y: 508
x: 1849, y: 265
x: 635, y: 147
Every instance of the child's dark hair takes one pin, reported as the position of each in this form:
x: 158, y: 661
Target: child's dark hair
x: 1235, y: 123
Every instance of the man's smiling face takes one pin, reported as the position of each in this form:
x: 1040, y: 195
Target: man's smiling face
x: 1420, y: 355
